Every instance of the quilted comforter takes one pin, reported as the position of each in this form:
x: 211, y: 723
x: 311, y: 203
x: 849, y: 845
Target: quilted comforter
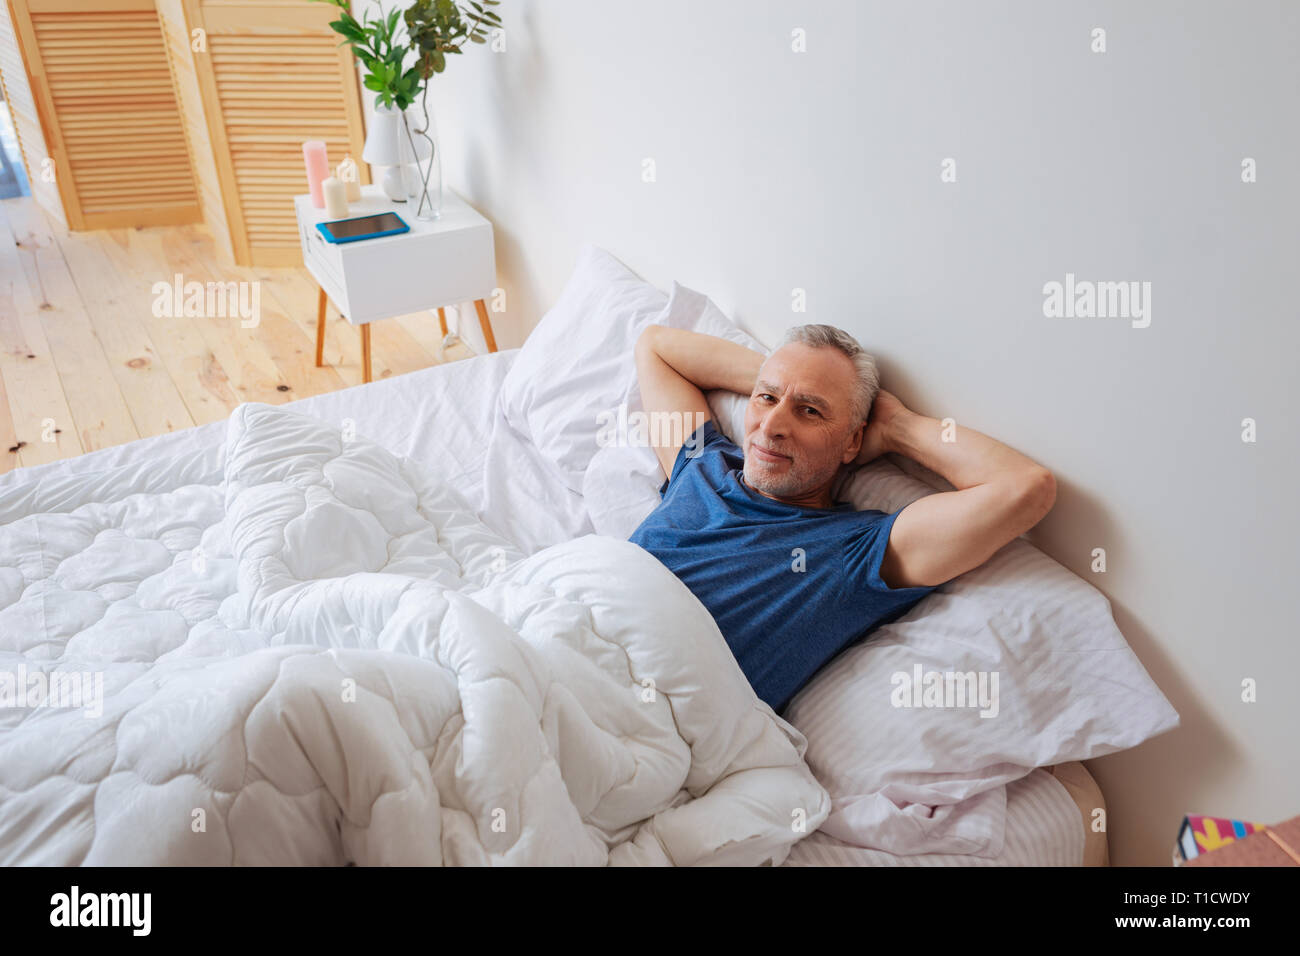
x: 313, y: 654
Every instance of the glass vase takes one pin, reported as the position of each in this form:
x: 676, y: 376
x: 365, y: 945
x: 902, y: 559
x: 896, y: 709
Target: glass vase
x: 422, y: 139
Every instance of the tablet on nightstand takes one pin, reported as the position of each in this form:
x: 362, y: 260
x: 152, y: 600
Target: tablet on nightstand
x: 363, y: 227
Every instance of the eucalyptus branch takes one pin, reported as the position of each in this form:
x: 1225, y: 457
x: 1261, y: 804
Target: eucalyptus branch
x: 473, y: 27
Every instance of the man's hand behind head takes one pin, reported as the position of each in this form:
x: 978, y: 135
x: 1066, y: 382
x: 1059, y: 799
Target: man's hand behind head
x: 876, y: 439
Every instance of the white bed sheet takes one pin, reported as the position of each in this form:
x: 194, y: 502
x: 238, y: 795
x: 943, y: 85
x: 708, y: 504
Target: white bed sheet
x: 444, y: 417
x: 1043, y: 828
x: 438, y: 416
x: 447, y: 418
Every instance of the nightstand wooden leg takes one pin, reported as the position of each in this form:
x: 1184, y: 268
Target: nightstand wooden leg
x: 485, y: 325
x: 320, y: 329
x: 365, y: 352
x: 442, y: 321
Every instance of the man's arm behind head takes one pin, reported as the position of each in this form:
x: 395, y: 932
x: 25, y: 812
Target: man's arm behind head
x: 674, y: 369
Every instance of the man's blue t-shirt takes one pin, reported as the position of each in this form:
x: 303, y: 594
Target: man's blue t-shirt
x: 789, y: 586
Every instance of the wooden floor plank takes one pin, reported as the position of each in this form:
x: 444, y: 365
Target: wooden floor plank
x: 86, y: 362
x: 114, y: 301
x: 393, y: 350
x: 423, y: 328
x: 398, y: 352
x: 199, y: 377
x: 296, y: 292
x: 290, y: 348
x: 252, y: 372
x: 9, y: 450
x: 34, y: 384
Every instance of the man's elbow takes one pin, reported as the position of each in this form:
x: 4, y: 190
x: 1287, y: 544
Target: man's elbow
x: 1039, y: 494
x: 645, y: 342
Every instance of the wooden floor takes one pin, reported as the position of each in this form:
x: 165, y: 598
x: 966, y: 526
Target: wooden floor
x: 85, y: 363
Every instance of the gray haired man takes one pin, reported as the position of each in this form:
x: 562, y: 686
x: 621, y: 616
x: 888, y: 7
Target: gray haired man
x: 790, y: 576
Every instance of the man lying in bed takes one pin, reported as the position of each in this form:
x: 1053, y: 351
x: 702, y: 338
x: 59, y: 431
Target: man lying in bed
x: 791, y: 577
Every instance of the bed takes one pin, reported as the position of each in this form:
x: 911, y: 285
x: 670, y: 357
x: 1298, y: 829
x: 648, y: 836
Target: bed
x: 445, y: 420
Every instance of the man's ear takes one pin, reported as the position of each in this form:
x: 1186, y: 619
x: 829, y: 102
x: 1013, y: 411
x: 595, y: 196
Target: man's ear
x: 854, y: 446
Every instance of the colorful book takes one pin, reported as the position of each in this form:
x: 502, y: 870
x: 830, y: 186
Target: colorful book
x: 1201, y: 834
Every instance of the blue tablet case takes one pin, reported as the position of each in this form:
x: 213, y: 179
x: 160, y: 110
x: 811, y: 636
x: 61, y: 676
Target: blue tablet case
x: 325, y: 234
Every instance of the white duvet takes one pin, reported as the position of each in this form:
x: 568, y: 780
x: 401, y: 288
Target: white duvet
x: 317, y: 655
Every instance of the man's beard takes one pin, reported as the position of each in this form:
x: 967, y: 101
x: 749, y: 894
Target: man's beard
x: 794, y: 481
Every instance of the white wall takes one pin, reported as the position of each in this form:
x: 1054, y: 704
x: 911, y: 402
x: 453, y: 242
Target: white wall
x: 821, y: 170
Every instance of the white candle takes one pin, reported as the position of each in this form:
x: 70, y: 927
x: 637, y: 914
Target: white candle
x: 336, y: 198
x: 350, y: 174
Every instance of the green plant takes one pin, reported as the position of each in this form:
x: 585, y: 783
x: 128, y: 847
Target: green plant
x: 437, y: 28
x: 375, y: 44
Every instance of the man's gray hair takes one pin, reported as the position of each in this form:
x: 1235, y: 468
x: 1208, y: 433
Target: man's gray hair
x: 828, y: 336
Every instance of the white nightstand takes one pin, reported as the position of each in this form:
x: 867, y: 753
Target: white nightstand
x: 436, y: 264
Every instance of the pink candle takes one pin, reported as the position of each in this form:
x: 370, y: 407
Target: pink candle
x: 318, y: 170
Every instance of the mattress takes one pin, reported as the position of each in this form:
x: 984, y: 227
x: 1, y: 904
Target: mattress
x: 445, y: 418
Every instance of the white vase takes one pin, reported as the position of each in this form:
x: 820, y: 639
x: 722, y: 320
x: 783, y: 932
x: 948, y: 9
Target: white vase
x: 413, y: 160
x: 402, y: 183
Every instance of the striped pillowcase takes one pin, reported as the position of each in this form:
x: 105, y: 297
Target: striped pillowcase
x: 897, y: 747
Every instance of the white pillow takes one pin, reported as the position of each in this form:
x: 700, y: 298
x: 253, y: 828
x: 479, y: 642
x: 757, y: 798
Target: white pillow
x: 621, y: 486
x: 1069, y: 688
x: 579, y: 361
x: 688, y: 309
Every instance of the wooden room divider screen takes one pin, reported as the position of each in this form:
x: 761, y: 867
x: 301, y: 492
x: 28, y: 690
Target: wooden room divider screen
x: 99, y: 80
x: 271, y: 75
x: 26, y: 117
x: 158, y: 112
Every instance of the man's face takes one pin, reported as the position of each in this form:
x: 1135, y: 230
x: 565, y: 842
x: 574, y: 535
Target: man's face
x: 799, y: 426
